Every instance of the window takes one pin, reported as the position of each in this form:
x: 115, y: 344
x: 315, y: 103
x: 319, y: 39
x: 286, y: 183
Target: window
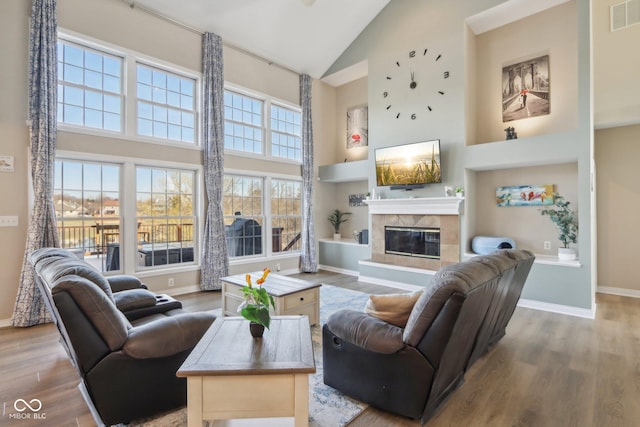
x: 89, y: 87
x: 246, y: 130
x: 243, y: 123
x: 165, y: 215
x: 286, y: 140
x: 243, y: 215
x: 286, y: 215
x: 86, y: 197
x: 166, y: 105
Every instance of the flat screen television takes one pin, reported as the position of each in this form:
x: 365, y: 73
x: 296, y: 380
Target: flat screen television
x: 408, y: 166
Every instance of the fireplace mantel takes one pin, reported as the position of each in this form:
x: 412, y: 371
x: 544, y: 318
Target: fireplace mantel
x: 416, y: 206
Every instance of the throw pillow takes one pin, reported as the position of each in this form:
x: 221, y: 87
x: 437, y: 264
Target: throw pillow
x: 392, y: 308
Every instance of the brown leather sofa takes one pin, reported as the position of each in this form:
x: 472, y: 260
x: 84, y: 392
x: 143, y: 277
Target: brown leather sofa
x: 126, y: 342
x: 411, y: 371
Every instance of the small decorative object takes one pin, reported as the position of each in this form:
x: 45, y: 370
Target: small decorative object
x: 255, y: 307
x: 511, y: 133
x: 336, y: 218
x: 356, y: 199
x: 525, y: 89
x: 448, y: 191
x: 564, y: 218
x: 459, y: 192
x: 357, y: 127
x: 525, y: 195
x: 6, y: 163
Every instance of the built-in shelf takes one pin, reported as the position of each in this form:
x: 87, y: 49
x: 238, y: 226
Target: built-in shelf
x: 542, y: 259
x: 342, y: 242
x: 344, y: 172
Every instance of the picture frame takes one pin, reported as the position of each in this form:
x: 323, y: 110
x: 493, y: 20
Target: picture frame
x: 358, y: 127
x: 525, y: 195
x: 526, y: 89
x: 6, y: 163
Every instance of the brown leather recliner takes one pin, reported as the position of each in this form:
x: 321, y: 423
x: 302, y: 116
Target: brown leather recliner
x: 411, y: 371
x: 127, y: 365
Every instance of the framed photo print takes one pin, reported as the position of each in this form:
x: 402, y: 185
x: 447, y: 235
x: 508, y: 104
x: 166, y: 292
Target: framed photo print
x: 525, y: 89
x: 357, y: 127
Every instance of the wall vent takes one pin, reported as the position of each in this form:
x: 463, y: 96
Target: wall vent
x: 625, y: 14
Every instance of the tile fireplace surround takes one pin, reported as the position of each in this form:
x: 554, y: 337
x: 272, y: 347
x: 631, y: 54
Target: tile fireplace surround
x: 438, y: 212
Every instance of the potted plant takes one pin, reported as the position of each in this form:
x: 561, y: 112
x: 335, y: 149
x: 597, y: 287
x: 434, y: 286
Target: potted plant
x: 460, y: 192
x: 255, y: 307
x: 336, y: 218
x: 564, y: 218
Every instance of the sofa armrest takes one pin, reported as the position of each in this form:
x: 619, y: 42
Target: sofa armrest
x: 367, y: 332
x: 124, y: 282
x: 167, y: 336
x: 134, y: 299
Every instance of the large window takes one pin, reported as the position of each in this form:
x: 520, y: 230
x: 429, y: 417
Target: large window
x: 286, y: 214
x: 251, y: 228
x: 246, y: 129
x: 86, y: 197
x: 166, y: 105
x: 162, y: 103
x: 165, y: 215
x: 90, y: 86
x: 243, y: 215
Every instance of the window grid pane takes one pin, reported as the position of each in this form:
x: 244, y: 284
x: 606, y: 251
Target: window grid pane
x: 286, y: 133
x: 286, y: 215
x: 89, y: 87
x: 165, y: 216
x: 243, y: 215
x: 86, y: 197
x: 166, y: 105
x: 243, y: 123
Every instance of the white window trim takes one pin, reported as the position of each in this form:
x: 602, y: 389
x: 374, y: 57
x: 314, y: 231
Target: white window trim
x: 129, y: 115
x: 128, y: 209
x: 267, y: 253
x: 267, y: 100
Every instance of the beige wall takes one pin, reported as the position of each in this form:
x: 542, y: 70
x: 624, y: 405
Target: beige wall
x: 547, y: 33
x: 616, y: 65
x: 139, y: 32
x: 523, y: 224
x: 618, y: 178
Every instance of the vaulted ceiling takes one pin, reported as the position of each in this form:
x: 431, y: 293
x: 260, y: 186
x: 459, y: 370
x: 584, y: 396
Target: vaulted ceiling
x: 306, y: 36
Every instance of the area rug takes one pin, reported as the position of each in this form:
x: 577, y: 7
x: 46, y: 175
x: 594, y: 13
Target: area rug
x: 327, y: 406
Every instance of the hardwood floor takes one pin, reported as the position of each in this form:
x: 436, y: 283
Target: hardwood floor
x: 549, y: 370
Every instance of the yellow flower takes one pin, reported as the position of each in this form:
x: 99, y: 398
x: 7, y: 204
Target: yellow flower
x: 247, y: 277
x: 265, y: 273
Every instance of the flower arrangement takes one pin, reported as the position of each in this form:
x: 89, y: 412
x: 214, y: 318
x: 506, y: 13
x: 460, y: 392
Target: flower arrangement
x: 255, y: 307
x: 564, y: 218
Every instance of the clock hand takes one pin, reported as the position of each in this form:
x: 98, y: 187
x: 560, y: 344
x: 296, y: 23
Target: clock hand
x: 413, y: 83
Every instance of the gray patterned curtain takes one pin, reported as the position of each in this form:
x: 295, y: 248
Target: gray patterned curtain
x: 215, y: 260
x: 308, y: 258
x: 29, y: 308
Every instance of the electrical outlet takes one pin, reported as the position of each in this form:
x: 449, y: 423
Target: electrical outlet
x: 278, y: 267
x: 8, y: 221
x: 171, y: 282
x: 547, y: 245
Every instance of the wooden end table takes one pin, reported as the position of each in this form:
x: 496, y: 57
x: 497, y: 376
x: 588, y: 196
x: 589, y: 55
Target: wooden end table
x: 233, y: 375
x: 291, y: 296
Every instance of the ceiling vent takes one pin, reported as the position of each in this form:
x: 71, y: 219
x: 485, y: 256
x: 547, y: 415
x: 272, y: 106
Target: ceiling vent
x: 625, y: 14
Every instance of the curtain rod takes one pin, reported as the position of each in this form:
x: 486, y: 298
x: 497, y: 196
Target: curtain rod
x: 198, y: 31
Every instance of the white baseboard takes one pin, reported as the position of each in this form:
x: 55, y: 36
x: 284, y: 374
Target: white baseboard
x: 6, y: 323
x: 633, y: 293
x: 338, y: 270
x: 557, y: 308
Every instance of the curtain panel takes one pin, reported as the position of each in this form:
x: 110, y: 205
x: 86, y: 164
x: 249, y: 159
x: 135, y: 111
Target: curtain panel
x: 42, y: 232
x: 308, y: 258
x: 215, y: 259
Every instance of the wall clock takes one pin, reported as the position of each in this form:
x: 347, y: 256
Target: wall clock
x: 415, y: 84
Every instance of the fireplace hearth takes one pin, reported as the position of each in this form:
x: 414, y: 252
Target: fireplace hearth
x: 418, y: 242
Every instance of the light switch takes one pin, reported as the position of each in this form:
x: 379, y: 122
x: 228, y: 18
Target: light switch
x: 8, y: 221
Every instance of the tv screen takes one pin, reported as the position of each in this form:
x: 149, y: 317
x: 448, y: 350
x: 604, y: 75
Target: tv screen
x: 409, y: 165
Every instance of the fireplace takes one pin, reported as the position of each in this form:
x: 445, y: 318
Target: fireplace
x: 421, y: 242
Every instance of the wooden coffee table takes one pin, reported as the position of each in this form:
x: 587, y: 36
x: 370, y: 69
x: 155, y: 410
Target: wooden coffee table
x: 291, y: 296
x: 233, y: 375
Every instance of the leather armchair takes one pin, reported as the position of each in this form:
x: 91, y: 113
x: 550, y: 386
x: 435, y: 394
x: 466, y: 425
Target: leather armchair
x: 411, y: 371
x: 127, y: 366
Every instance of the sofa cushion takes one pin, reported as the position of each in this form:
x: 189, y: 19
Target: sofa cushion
x: 392, y: 308
x: 133, y: 299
